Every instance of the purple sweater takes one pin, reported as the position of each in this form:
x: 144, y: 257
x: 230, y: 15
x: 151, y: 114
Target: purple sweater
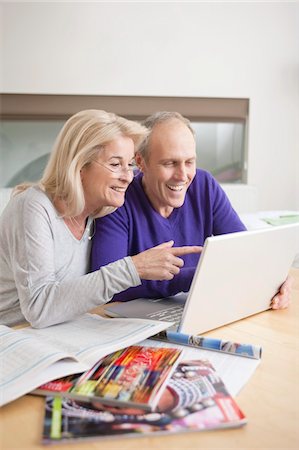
x: 137, y: 226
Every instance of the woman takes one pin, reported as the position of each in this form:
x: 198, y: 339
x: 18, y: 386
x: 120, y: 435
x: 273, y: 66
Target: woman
x: 46, y: 229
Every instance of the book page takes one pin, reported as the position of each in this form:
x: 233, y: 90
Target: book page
x: 91, y: 337
x: 23, y: 358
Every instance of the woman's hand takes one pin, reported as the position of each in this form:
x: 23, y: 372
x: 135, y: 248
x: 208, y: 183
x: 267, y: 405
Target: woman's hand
x: 282, y: 299
x: 162, y: 262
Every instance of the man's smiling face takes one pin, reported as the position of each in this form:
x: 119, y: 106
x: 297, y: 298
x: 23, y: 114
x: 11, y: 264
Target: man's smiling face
x: 169, y: 166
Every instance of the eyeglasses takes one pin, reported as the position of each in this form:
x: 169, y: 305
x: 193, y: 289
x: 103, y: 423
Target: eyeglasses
x: 118, y: 168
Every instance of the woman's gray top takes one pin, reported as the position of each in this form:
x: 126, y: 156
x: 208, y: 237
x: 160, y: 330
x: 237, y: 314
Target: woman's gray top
x: 43, y: 267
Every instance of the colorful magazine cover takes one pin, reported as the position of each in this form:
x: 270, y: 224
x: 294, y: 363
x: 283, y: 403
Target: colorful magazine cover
x: 134, y: 376
x: 195, y: 399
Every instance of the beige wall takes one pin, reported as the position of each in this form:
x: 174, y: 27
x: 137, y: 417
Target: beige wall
x: 178, y: 49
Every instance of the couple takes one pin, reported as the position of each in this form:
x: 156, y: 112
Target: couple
x: 46, y: 229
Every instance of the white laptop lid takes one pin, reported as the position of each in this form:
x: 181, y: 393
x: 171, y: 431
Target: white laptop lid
x: 237, y: 276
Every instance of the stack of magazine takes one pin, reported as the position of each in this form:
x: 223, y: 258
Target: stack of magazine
x: 138, y: 391
x: 131, y: 377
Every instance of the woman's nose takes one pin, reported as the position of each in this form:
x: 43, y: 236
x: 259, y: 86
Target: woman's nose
x: 126, y: 174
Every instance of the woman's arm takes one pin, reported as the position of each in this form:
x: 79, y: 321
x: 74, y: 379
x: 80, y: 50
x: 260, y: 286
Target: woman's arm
x: 50, y: 273
x: 44, y: 298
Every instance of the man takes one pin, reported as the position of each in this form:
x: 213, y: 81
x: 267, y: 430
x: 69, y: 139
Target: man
x: 168, y: 200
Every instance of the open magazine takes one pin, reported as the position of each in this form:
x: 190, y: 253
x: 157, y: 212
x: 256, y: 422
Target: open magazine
x: 31, y: 357
x: 195, y: 399
x: 132, y: 377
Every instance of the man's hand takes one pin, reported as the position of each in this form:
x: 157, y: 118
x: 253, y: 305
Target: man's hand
x: 282, y: 299
x: 162, y: 262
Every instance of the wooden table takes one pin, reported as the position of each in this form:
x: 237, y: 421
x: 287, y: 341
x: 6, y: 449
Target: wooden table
x: 270, y: 400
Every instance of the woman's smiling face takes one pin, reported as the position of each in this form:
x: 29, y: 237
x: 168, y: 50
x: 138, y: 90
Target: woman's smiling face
x: 105, y: 180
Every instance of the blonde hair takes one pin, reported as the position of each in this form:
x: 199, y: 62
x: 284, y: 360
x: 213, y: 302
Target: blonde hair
x: 77, y: 144
x: 155, y: 119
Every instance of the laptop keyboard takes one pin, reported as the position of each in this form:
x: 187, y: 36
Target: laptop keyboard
x: 172, y: 314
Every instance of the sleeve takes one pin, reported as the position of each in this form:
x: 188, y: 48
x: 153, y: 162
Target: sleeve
x: 111, y: 242
x: 43, y: 300
x: 225, y: 218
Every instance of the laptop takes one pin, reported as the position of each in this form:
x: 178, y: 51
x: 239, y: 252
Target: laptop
x: 236, y: 277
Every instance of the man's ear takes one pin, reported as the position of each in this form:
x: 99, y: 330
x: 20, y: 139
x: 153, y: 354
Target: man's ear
x: 139, y: 161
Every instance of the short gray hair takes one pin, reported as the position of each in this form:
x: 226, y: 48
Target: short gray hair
x: 155, y: 119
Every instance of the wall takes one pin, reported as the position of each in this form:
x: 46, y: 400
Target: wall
x: 176, y: 49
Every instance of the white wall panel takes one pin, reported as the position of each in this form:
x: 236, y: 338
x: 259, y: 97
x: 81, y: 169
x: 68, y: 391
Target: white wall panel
x: 248, y: 49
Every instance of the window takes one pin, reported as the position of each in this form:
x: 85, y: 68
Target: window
x: 220, y: 149
x: 30, y: 124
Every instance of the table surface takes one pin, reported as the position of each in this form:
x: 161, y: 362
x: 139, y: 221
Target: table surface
x: 270, y: 400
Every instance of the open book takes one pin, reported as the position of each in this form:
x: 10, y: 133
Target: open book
x: 31, y: 357
x: 131, y: 377
x: 195, y: 399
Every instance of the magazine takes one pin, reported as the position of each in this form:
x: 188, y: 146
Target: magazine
x: 208, y: 343
x: 195, y: 399
x: 132, y: 377
x: 235, y: 371
x: 31, y: 357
